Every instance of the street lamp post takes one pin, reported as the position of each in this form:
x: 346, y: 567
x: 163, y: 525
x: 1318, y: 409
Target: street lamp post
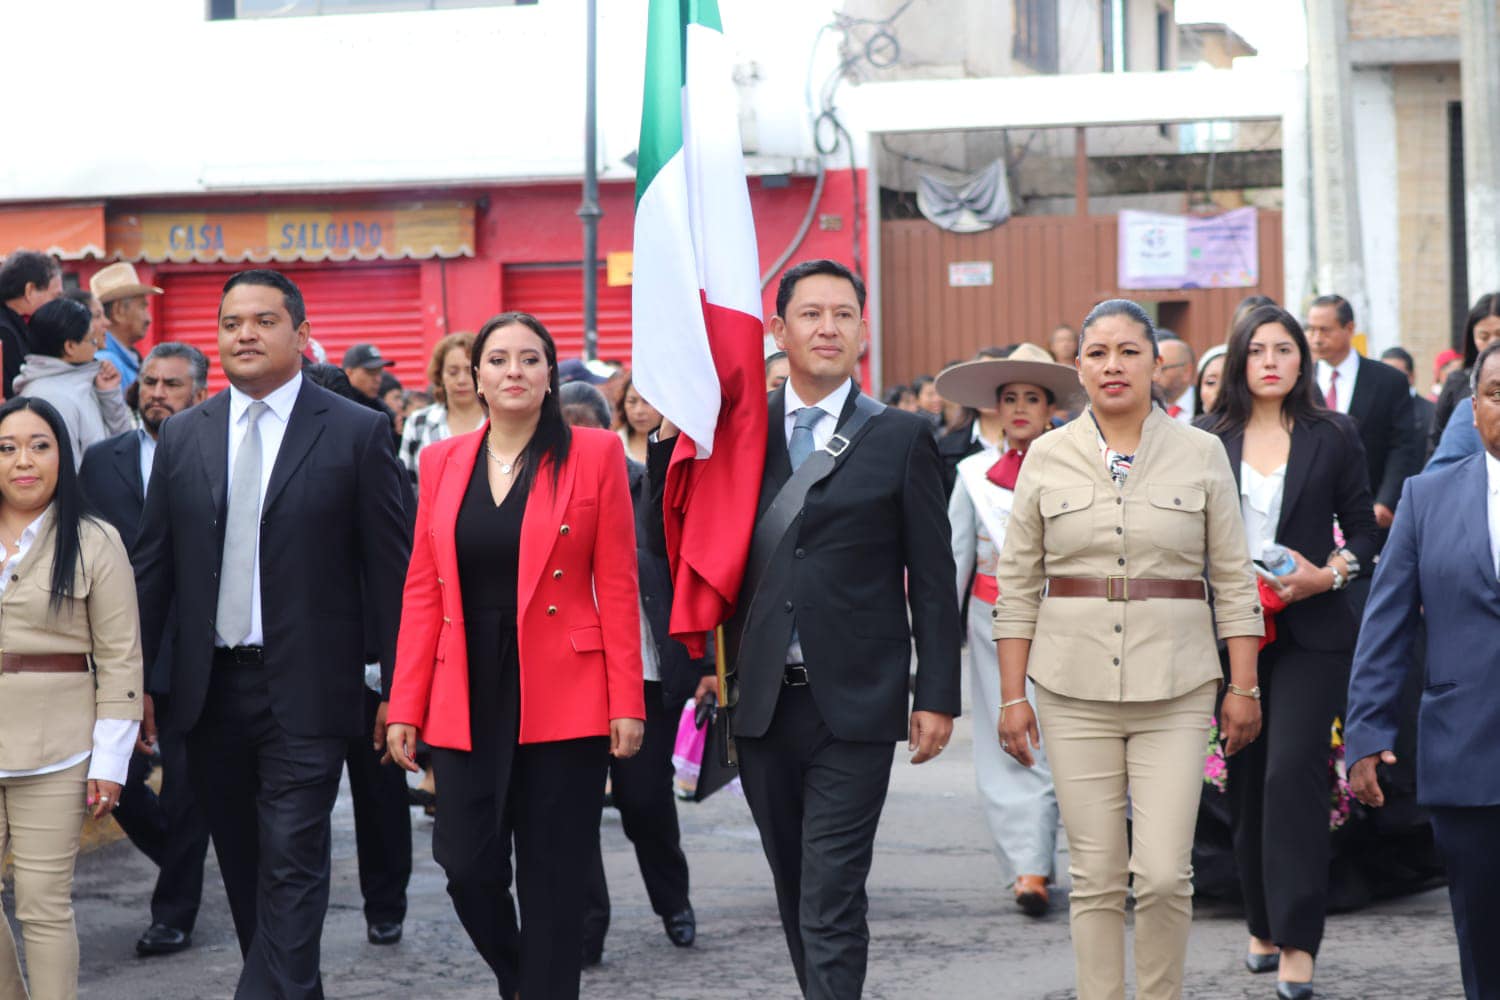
x: 589, y: 211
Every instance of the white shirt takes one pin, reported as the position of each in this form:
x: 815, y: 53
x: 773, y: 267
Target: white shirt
x: 1184, y: 403
x: 272, y: 428
x: 1492, y: 470
x: 148, y: 456
x: 1348, y: 370
x: 114, y: 739
x: 1260, y: 505
x: 832, y: 405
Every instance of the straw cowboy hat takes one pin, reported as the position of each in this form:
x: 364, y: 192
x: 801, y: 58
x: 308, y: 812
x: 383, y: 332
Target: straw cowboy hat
x: 976, y: 383
x: 119, y: 281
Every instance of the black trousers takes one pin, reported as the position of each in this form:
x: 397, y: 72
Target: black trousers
x: 1279, y: 790
x: 642, y: 789
x: 1468, y: 838
x: 817, y: 802
x: 551, y: 807
x: 382, y: 825
x: 169, y: 829
x: 267, y: 794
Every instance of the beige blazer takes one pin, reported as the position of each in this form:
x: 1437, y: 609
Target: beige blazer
x: 46, y: 718
x: 1177, y: 518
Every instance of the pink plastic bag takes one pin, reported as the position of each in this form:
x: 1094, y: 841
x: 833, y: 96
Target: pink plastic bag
x: 687, y: 752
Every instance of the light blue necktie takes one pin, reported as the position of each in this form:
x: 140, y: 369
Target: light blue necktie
x: 801, y: 444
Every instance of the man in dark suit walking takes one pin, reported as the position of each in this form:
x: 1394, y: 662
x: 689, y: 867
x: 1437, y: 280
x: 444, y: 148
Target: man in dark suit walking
x: 1443, y: 562
x: 1377, y: 397
x: 171, y: 830
x: 822, y: 654
x: 274, y: 520
x: 1423, y: 409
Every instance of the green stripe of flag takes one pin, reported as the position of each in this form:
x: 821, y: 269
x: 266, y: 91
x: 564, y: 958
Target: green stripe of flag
x: 666, y: 64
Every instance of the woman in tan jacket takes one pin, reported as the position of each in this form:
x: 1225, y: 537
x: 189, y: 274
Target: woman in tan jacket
x: 70, y: 688
x: 1125, y: 550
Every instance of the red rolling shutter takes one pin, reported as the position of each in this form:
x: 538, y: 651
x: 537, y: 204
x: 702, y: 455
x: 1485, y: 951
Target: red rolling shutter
x: 347, y: 304
x: 553, y: 293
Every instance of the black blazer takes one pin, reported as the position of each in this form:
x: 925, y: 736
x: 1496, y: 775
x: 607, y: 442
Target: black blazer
x: 333, y: 552
x: 14, y: 345
x: 953, y: 447
x: 111, y: 481
x: 1382, y: 408
x: 873, y: 537
x: 1325, y: 477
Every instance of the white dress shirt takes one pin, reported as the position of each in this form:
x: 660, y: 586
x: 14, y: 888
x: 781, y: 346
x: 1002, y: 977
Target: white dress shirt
x: 1260, y: 505
x: 1348, y: 370
x: 148, y: 456
x: 832, y: 405
x: 1492, y: 470
x: 272, y: 428
x: 114, y: 739
x: 1184, y: 404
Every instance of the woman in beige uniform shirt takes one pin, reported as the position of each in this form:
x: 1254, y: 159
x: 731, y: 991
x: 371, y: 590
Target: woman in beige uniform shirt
x: 1105, y: 604
x: 70, y: 688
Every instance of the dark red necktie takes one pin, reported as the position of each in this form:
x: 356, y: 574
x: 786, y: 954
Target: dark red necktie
x: 1003, y: 473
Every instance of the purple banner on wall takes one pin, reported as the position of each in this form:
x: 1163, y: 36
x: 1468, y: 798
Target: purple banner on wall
x: 1189, y: 251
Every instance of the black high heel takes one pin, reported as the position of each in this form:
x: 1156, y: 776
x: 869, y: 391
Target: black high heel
x: 1294, y: 991
x: 1258, y: 963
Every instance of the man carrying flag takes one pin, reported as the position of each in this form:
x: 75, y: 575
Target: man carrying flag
x: 849, y: 520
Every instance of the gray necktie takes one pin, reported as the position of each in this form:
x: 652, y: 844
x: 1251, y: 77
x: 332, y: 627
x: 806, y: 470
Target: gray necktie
x: 241, y: 531
x: 801, y: 444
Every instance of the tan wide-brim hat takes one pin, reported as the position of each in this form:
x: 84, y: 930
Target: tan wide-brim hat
x: 977, y: 383
x: 119, y: 281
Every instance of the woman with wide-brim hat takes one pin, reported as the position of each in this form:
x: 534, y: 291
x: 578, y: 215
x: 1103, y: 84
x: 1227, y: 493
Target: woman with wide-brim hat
x: 1019, y: 803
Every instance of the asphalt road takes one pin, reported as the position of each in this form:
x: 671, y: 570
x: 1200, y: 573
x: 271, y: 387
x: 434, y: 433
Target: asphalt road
x: 942, y: 925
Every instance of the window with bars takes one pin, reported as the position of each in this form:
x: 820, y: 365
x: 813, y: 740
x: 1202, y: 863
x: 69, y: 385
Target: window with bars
x: 1036, y: 34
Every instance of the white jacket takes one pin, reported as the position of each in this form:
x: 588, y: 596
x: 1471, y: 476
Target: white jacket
x: 91, y: 415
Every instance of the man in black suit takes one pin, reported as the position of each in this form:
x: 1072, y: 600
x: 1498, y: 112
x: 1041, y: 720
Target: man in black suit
x: 1423, y: 409
x: 1378, y: 399
x: 274, y: 520
x: 822, y: 656
x: 172, y: 831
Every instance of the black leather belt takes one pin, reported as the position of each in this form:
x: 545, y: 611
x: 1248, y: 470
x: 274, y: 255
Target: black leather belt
x: 795, y: 675
x: 240, y: 656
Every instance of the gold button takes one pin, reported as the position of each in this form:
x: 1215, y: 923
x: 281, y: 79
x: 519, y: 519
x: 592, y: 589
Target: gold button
x: 440, y: 581
x: 552, y: 609
x: 557, y: 574
x: 446, y: 620
x: 563, y: 530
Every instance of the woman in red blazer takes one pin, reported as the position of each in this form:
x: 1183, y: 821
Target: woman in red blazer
x: 519, y: 658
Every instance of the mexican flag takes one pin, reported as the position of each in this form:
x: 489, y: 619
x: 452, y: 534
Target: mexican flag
x: 697, y: 354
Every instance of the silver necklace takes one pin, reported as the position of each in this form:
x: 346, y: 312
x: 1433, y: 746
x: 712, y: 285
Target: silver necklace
x: 505, y: 467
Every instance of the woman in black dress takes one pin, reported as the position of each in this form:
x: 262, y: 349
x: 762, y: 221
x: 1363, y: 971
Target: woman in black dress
x: 519, y: 657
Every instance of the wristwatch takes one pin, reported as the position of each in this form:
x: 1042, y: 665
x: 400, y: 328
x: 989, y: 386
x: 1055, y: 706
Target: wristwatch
x: 1340, y: 581
x: 1246, y: 693
x: 1350, y: 560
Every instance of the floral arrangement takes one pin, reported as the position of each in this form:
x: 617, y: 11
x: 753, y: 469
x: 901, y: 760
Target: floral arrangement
x: 1215, y: 767
x: 1338, y: 779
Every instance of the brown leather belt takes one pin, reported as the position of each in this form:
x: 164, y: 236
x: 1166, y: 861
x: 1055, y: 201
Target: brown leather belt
x: 43, y: 663
x: 1119, y: 588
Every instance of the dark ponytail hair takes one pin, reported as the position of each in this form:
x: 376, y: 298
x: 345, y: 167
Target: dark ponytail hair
x: 69, y: 506
x: 56, y: 325
x: 1125, y: 308
x: 1235, y: 401
x: 552, y: 437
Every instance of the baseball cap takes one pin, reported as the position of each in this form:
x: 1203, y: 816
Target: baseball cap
x: 365, y: 356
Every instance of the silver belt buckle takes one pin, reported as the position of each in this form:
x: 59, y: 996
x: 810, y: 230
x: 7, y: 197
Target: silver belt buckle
x: 836, y: 445
x: 795, y: 675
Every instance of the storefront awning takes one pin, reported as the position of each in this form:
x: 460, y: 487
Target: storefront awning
x: 377, y: 232
x: 71, y: 232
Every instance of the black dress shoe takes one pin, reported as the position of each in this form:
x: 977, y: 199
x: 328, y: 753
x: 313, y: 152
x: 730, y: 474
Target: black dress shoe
x: 160, y: 939
x: 682, y: 928
x: 1294, y: 991
x: 384, y: 933
x: 1262, y: 963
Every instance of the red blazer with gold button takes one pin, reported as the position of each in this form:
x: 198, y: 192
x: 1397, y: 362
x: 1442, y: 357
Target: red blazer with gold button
x: 578, y: 624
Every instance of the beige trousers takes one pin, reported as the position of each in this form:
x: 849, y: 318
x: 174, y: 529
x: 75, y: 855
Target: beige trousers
x: 41, y: 819
x: 1154, y: 751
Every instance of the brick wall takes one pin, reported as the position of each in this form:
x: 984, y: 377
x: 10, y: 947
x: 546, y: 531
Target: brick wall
x: 1403, y: 18
x: 1422, y: 94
